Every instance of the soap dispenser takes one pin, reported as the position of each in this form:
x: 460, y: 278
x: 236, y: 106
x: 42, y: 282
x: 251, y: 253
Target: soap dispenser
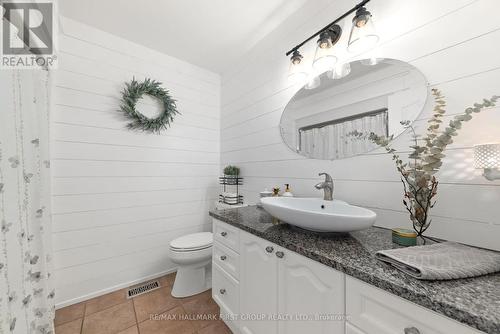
x: 288, y: 192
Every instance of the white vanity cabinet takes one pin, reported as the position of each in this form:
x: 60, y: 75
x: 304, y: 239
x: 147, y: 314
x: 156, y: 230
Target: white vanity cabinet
x: 226, y: 272
x: 274, y: 283
x: 255, y: 280
x: 309, y: 289
x: 299, y: 294
x: 258, y: 285
x: 374, y: 311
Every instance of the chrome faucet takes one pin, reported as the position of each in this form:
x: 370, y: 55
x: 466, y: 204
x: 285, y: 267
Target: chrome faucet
x: 327, y: 187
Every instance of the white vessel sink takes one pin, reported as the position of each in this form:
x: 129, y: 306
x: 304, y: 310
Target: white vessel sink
x: 319, y: 215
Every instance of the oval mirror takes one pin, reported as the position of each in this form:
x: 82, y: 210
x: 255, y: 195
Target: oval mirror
x: 319, y: 121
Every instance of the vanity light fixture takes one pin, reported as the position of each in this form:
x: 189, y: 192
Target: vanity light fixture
x: 487, y: 157
x: 297, y: 71
x: 363, y: 34
x: 324, y: 57
x: 362, y: 37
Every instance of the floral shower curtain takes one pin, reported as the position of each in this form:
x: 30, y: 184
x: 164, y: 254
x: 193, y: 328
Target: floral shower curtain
x: 26, y: 290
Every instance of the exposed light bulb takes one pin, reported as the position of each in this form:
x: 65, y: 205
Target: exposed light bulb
x: 361, y: 23
x: 325, y: 40
x: 362, y: 17
x: 296, y: 57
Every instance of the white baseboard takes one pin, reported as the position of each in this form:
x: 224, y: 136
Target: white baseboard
x: 112, y: 289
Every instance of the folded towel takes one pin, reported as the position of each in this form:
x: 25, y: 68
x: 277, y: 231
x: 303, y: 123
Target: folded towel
x: 442, y: 261
x: 227, y: 201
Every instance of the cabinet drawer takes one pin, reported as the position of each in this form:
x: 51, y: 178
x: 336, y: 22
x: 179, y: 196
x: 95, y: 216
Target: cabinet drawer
x: 227, y: 259
x: 227, y: 235
x: 225, y: 292
x: 375, y: 311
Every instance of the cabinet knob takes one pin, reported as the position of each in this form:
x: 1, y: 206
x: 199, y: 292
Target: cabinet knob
x: 222, y: 291
x: 411, y: 330
x: 223, y: 234
x: 269, y: 249
x: 280, y: 254
x: 223, y: 258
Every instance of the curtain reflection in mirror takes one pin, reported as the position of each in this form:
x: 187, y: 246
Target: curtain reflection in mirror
x: 331, y: 140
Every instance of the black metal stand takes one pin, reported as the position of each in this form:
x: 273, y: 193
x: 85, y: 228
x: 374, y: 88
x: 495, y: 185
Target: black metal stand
x: 233, y: 181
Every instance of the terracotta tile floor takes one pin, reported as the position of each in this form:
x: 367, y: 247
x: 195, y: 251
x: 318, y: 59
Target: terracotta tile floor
x: 156, y: 312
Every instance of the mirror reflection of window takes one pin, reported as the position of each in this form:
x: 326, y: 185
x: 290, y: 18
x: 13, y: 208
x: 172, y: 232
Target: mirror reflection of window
x: 370, y: 97
x: 334, y: 139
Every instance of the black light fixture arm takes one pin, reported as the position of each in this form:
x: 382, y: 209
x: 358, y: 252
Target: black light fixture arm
x: 343, y: 16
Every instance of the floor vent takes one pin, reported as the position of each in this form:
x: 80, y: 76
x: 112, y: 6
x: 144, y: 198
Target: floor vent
x: 142, y: 289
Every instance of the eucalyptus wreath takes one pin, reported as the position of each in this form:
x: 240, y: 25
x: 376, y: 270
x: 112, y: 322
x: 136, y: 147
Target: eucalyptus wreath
x: 134, y: 91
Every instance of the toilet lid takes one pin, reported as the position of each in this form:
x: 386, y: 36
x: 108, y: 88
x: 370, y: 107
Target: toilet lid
x: 193, y: 241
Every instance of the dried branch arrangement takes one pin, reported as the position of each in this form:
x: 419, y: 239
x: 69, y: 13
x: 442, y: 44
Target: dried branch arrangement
x: 426, y: 158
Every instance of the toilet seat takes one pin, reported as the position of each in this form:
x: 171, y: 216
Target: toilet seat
x: 192, y: 242
x: 189, y: 249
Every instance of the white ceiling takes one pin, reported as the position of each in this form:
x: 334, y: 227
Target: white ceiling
x: 208, y: 33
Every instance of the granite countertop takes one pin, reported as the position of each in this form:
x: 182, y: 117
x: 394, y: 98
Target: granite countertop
x: 472, y: 301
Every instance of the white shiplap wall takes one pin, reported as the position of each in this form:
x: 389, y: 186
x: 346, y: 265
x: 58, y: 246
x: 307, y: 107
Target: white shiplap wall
x: 120, y: 196
x: 455, y: 47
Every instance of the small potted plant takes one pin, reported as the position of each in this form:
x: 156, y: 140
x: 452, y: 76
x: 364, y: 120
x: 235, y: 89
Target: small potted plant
x: 231, y: 171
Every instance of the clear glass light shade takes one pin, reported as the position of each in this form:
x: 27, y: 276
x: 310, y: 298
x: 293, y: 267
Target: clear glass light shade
x: 325, y: 41
x: 297, y: 73
x: 313, y: 81
x: 340, y: 71
x: 324, y: 60
x: 487, y: 156
x: 362, y: 38
x: 371, y: 61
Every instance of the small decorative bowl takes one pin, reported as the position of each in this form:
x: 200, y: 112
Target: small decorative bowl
x: 404, y: 237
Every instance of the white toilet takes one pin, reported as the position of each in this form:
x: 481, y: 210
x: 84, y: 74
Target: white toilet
x: 193, y: 254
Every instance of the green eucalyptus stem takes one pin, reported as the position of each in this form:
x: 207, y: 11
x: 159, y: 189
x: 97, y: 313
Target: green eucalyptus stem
x: 419, y: 183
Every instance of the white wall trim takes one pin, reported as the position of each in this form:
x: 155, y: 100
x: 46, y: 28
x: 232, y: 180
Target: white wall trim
x: 114, y: 288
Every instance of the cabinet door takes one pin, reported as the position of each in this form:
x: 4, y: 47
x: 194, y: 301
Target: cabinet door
x: 375, y: 311
x: 226, y: 293
x: 258, y: 285
x: 311, y: 294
